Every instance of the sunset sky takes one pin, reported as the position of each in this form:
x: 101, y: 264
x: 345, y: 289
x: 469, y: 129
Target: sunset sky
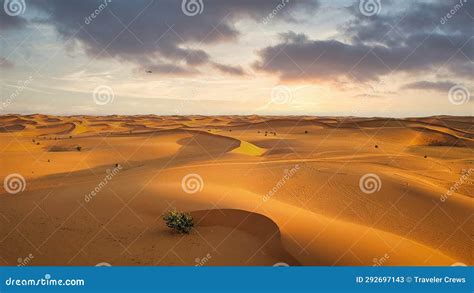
x: 403, y: 59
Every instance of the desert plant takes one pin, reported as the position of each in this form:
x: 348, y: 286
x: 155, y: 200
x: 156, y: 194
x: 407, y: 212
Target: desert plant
x: 180, y: 221
x: 78, y: 148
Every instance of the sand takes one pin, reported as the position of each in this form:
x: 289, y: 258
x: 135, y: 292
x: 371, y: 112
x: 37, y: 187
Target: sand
x: 263, y: 190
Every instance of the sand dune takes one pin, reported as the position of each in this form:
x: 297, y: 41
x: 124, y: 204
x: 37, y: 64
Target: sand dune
x: 12, y: 128
x: 270, y: 190
x: 63, y: 128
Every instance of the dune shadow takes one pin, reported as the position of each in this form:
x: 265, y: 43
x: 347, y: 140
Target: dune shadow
x: 257, y: 225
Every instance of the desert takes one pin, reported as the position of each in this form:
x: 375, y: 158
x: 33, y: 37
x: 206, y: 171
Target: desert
x: 262, y: 190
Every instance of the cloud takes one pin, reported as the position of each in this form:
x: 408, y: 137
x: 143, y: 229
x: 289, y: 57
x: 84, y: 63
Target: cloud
x: 440, y: 86
x: 8, y: 22
x: 412, y: 41
x: 299, y: 58
x: 155, y: 33
x: 232, y: 70
x: 392, y: 28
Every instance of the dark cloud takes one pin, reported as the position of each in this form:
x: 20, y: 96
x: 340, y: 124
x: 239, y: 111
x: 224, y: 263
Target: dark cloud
x: 154, y: 33
x: 391, y: 28
x: 233, y: 70
x: 440, y: 86
x: 413, y: 40
x: 8, y: 22
x: 297, y: 57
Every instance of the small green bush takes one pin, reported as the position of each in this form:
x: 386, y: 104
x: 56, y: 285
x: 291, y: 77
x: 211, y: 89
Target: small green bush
x: 180, y: 221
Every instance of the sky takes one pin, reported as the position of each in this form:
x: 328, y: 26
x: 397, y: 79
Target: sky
x: 382, y: 58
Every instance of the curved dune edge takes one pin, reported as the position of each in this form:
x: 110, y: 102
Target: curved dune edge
x: 257, y: 225
x: 314, y: 239
x: 249, y: 149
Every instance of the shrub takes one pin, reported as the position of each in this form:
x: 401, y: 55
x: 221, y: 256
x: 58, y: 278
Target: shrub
x: 180, y: 221
x: 78, y: 148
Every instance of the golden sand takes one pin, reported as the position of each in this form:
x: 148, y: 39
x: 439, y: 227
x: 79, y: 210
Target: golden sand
x: 250, y: 203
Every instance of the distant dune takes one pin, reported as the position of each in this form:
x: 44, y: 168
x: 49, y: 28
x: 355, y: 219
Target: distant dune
x: 263, y: 190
